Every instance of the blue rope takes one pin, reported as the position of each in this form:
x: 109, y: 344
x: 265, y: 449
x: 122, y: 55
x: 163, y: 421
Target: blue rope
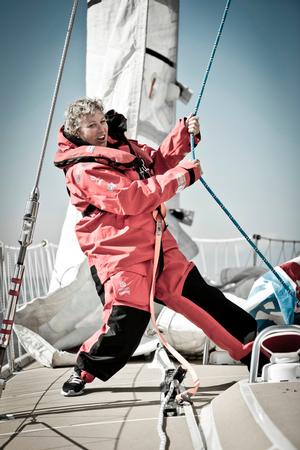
x: 212, y: 56
x: 230, y: 216
x: 192, y: 142
x: 208, y: 71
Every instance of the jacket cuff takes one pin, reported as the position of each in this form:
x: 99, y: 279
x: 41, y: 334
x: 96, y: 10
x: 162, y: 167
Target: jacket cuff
x: 192, y: 176
x: 192, y: 173
x: 182, y: 178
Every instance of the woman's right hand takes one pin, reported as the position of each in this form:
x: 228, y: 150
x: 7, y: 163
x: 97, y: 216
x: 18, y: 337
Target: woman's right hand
x: 193, y: 167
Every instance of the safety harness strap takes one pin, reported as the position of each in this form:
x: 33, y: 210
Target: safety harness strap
x: 158, y: 216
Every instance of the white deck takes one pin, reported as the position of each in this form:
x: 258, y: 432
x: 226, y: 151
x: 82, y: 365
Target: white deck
x: 122, y: 414
x: 119, y: 414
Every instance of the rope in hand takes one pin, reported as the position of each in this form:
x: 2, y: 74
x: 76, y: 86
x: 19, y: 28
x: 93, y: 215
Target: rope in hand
x: 159, y: 225
x: 158, y: 217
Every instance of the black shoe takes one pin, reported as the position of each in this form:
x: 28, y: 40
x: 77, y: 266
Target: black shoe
x: 73, y: 386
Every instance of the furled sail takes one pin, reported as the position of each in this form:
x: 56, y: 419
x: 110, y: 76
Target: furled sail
x: 131, y: 63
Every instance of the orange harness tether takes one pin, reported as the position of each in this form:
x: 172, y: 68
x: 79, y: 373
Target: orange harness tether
x: 158, y: 216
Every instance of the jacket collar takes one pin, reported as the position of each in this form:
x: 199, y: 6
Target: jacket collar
x: 69, y: 153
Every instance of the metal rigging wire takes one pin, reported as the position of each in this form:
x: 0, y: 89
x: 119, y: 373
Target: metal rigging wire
x: 31, y: 210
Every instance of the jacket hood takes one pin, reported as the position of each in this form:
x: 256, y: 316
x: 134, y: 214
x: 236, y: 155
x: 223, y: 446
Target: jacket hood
x: 69, y: 153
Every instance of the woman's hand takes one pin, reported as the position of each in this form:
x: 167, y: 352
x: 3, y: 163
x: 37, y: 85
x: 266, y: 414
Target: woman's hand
x: 192, y: 125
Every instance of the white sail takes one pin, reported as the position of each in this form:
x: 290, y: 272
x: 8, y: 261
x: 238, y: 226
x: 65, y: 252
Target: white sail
x: 131, y: 63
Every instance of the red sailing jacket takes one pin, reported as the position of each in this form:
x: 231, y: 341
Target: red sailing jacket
x: 119, y: 233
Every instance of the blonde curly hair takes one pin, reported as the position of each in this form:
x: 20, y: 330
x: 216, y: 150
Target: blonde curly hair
x: 77, y: 110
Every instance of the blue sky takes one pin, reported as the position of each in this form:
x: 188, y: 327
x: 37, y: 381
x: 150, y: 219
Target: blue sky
x: 249, y: 113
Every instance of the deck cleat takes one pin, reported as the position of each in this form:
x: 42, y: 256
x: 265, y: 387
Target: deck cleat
x: 170, y: 389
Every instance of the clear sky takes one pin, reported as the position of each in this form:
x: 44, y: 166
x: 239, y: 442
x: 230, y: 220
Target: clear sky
x: 249, y: 113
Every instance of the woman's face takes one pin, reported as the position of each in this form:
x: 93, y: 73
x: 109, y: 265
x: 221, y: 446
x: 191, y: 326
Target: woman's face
x: 93, y: 129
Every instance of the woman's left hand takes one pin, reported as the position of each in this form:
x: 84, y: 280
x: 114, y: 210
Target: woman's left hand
x: 192, y: 124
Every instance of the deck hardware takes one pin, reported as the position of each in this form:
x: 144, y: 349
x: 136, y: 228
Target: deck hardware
x: 173, y: 379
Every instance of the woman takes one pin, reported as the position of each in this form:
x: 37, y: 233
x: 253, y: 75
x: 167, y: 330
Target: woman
x: 117, y: 184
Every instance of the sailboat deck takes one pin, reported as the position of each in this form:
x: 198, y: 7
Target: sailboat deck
x: 119, y: 414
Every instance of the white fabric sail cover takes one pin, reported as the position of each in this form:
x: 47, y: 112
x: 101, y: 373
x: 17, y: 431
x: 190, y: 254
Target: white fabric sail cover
x: 116, y: 37
x: 131, y: 63
x: 69, y: 256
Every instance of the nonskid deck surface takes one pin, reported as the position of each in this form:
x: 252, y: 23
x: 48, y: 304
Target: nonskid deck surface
x: 119, y: 414
x: 259, y: 415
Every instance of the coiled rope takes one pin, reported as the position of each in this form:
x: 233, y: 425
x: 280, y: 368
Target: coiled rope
x: 160, y: 424
x: 211, y: 192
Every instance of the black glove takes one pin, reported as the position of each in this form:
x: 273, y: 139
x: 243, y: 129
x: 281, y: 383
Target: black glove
x: 117, y: 125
